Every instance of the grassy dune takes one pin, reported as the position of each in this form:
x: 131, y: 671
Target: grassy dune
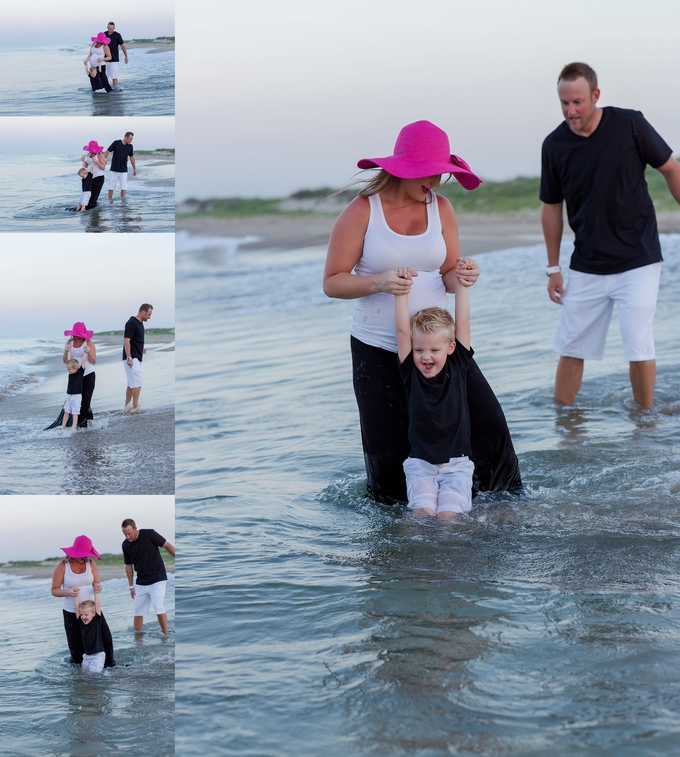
x: 504, y: 197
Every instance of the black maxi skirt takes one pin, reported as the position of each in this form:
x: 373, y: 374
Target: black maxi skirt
x: 379, y: 390
x: 75, y: 640
x: 97, y: 184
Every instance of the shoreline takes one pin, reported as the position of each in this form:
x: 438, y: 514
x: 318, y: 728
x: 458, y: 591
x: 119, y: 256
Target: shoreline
x: 156, y: 47
x: 479, y: 232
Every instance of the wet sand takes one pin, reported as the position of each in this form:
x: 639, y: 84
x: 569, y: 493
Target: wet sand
x: 165, y: 47
x: 478, y: 232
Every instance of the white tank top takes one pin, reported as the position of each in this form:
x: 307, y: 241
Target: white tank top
x: 77, y: 354
x: 97, y: 54
x: 93, y: 168
x: 82, y: 580
x: 384, y: 249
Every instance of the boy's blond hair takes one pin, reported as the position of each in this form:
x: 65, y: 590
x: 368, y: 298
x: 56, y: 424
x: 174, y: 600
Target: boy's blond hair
x: 431, y: 320
x: 82, y: 172
x: 88, y: 604
x: 72, y: 363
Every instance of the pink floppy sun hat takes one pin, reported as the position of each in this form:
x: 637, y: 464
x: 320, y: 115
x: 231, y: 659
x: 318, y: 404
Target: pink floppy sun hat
x: 101, y: 37
x: 82, y: 547
x: 421, y: 150
x: 93, y: 147
x: 80, y: 331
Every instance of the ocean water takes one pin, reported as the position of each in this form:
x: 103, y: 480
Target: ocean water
x: 116, y: 454
x: 46, y: 202
x: 50, y: 79
x: 53, y: 708
x: 545, y: 623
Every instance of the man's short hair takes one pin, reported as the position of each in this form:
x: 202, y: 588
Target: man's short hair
x: 110, y: 23
x: 72, y: 363
x: 129, y: 134
x: 88, y: 604
x: 431, y: 320
x: 573, y: 71
x: 145, y: 307
x: 128, y: 522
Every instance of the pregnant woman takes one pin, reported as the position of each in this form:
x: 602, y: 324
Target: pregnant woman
x: 80, y: 343
x: 399, y: 221
x: 96, y: 165
x: 96, y: 71
x: 77, y: 575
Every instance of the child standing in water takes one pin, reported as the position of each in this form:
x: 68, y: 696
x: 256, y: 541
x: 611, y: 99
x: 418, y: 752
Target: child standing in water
x: 85, y: 186
x: 89, y: 615
x: 74, y: 390
x: 434, y: 354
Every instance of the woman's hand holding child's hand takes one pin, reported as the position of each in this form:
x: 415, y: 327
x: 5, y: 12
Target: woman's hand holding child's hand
x: 467, y: 271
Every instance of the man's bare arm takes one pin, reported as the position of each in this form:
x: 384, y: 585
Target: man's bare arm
x: 553, y: 225
x: 670, y: 170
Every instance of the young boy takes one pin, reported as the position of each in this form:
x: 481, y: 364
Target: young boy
x: 85, y: 188
x: 89, y: 616
x: 74, y: 390
x: 434, y: 353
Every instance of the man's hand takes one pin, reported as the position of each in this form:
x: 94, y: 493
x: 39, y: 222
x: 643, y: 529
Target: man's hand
x: 133, y: 593
x: 556, y: 287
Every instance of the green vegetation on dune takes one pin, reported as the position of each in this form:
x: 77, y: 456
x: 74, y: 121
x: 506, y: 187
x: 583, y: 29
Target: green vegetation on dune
x: 148, y: 332
x: 490, y: 197
x: 156, y: 41
x: 108, y: 560
x: 159, y: 151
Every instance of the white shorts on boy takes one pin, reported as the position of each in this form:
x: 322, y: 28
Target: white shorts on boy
x: 117, y: 178
x: 73, y: 403
x: 134, y: 373
x: 587, y: 310
x: 153, y: 594
x: 446, y: 488
x: 94, y: 663
x: 84, y: 198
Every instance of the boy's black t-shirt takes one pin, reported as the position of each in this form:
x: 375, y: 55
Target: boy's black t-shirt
x: 75, y: 381
x: 92, y: 635
x: 121, y: 153
x: 438, y: 415
x: 602, y: 179
x: 116, y: 41
x: 134, y: 331
x: 143, y: 554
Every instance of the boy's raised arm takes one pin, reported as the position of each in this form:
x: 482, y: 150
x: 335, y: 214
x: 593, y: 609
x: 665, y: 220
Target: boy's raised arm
x: 462, y: 316
x: 97, y: 604
x: 76, y: 603
x: 402, y: 320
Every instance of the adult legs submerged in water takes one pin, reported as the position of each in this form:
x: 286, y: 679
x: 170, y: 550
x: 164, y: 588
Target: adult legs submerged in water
x: 381, y: 399
x: 97, y: 184
x: 86, y: 413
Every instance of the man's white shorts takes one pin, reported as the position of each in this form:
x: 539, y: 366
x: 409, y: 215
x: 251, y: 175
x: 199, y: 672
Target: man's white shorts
x: 443, y: 489
x: 72, y: 404
x: 148, y: 595
x: 117, y: 178
x: 587, y: 310
x: 134, y: 373
x: 112, y: 70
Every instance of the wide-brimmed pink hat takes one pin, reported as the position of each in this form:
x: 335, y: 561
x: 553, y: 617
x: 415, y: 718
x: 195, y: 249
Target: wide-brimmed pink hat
x: 82, y: 547
x: 80, y: 331
x: 93, y: 147
x: 422, y: 149
x: 101, y: 37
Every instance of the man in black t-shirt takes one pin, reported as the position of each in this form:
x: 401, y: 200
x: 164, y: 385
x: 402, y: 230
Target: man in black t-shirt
x: 133, y: 353
x: 595, y: 162
x: 122, y: 150
x: 116, y: 42
x: 141, y: 555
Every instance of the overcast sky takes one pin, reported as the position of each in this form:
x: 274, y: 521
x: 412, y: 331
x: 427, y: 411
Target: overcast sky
x: 309, y: 88
x: 50, y: 281
x: 71, y: 21
x: 35, y: 528
x: 65, y: 135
